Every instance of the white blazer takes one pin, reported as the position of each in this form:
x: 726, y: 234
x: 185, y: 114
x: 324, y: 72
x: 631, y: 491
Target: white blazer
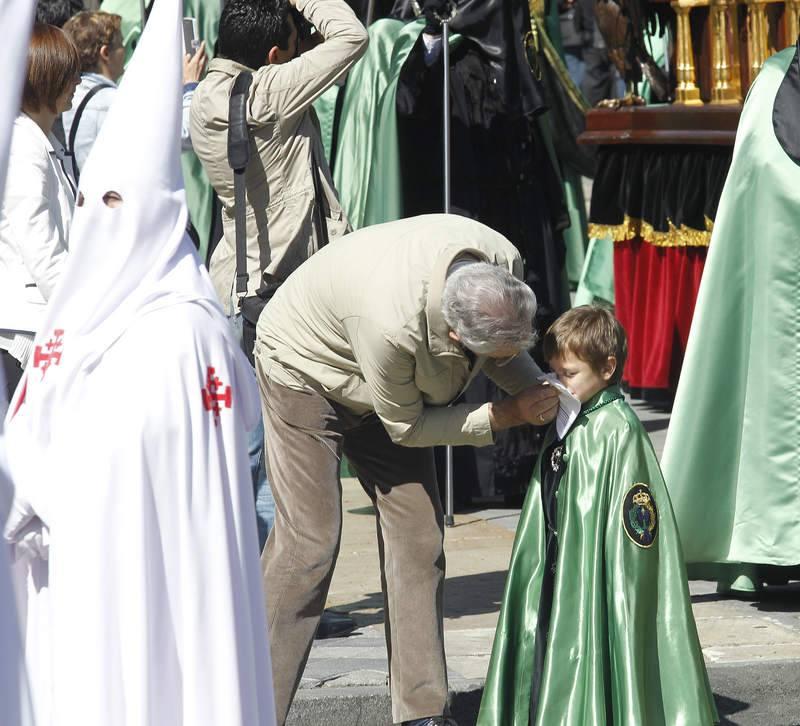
x: 34, y: 226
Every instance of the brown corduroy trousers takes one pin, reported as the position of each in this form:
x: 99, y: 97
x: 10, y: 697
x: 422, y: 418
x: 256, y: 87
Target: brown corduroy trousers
x: 306, y: 435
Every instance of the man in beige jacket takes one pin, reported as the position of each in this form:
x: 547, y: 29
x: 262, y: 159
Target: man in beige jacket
x: 365, y: 351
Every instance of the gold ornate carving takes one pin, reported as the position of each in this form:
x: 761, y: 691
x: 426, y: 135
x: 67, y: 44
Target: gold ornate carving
x: 536, y: 8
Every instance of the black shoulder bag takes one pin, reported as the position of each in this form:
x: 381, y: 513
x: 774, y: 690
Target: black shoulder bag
x: 76, y: 119
x: 238, y: 158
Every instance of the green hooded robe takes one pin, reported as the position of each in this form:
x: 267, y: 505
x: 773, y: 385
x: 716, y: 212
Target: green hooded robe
x: 732, y: 456
x: 621, y: 647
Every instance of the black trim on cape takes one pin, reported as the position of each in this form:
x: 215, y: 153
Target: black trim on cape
x: 552, y: 471
x: 786, y: 110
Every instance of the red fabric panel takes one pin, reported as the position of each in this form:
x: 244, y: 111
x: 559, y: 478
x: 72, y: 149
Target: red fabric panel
x: 656, y: 290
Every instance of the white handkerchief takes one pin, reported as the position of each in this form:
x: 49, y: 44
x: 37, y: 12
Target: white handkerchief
x: 568, y: 406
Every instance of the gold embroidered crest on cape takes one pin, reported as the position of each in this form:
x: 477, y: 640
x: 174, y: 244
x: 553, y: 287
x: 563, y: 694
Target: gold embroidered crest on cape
x: 640, y: 515
x: 556, y: 457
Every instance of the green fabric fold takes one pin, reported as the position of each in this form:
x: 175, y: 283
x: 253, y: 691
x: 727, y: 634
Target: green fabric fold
x: 367, y: 168
x: 732, y: 454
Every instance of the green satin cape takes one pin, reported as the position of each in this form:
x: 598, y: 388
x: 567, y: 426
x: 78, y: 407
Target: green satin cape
x: 732, y: 456
x: 367, y: 169
x: 622, y: 646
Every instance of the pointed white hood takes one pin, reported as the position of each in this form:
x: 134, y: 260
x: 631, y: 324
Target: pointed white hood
x: 16, y: 21
x: 128, y: 260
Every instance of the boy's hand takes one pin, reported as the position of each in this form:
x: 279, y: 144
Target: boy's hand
x: 536, y: 405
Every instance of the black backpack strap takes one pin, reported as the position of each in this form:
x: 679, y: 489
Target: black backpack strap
x: 238, y: 157
x: 76, y: 119
x: 320, y: 224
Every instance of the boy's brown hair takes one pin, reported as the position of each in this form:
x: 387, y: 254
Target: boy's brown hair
x: 590, y: 332
x: 91, y: 31
x: 53, y: 64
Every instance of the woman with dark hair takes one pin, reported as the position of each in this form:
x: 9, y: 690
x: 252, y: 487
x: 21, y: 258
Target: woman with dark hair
x: 37, y: 208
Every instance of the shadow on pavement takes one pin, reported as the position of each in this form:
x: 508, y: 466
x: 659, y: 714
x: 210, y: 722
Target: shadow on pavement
x: 464, y: 595
x: 473, y: 594
x: 772, y: 599
x: 727, y: 707
x: 369, y: 509
x: 655, y: 425
x: 784, y: 599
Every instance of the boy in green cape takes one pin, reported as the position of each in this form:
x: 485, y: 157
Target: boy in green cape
x: 596, y: 625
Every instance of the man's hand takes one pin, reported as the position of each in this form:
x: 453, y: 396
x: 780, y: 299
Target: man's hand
x: 194, y: 65
x: 536, y: 405
x: 312, y: 41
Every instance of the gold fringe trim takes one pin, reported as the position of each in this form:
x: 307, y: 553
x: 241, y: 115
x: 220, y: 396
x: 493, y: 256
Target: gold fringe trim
x: 682, y: 236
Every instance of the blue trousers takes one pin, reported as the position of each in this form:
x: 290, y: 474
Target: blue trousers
x: 262, y: 492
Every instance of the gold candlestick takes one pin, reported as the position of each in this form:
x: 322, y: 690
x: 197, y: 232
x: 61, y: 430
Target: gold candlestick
x: 757, y: 36
x: 726, y: 86
x: 792, y: 22
x: 687, y: 91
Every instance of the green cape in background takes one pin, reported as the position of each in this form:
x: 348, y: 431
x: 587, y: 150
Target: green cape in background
x: 199, y: 193
x: 596, y: 279
x: 131, y: 13
x: 575, y: 239
x: 732, y: 456
x: 367, y: 167
x: 622, y: 647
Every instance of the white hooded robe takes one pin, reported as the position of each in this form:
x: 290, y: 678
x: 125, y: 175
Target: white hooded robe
x: 129, y: 432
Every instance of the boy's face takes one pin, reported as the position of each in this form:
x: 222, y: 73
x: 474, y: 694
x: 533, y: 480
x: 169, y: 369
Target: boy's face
x: 579, y: 377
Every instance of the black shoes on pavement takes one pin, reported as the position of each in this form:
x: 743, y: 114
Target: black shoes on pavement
x: 334, y: 624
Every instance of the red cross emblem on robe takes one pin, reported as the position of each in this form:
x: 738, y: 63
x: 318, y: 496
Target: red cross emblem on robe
x: 216, y: 395
x: 49, y: 354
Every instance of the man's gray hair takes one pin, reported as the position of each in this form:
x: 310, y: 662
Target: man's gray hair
x: 489, y: 309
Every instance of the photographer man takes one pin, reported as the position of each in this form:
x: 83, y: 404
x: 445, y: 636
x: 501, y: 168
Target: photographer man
x: 287, y: 162
x: 262, y: 36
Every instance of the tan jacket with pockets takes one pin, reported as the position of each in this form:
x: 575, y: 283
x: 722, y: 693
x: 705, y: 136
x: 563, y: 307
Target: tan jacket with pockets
x: 285, y: 139
x: 361, y: 323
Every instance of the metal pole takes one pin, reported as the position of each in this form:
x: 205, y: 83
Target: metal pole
x: 446, y: 104
x: 448, y: 517
x: 143, y: 13
x: 370, y: 13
